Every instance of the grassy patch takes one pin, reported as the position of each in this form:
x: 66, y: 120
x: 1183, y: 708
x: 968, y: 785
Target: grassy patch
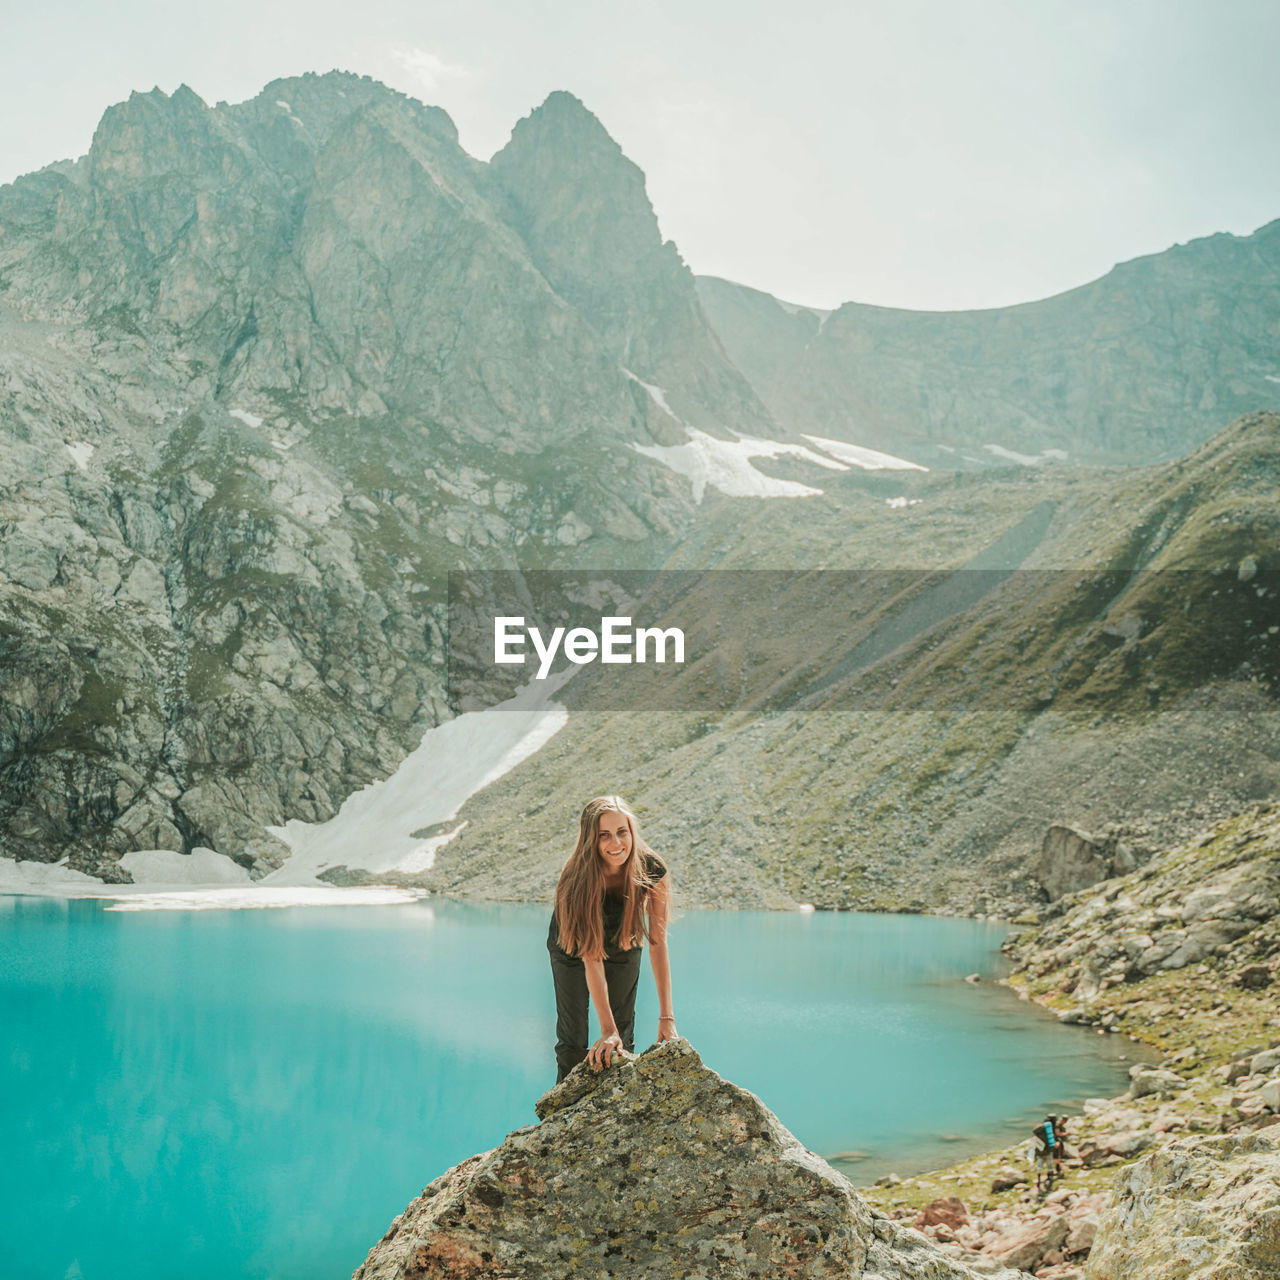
x: 1196, y: 1007
x: 95, y: 708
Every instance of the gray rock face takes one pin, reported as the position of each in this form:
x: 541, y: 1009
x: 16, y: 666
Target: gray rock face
x: 268, y: 372
x: 1070, y: 860
x: 654, y: 1167
x: 1206, y: 1206
x: 580, y: 206
x: 1139, y: 365
x: 1216, y: 896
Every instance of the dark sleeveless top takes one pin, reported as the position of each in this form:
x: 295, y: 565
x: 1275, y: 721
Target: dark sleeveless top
x: 612, y: 905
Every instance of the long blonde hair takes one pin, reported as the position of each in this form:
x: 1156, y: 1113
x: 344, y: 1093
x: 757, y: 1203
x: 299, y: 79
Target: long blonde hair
x: 580, y: 891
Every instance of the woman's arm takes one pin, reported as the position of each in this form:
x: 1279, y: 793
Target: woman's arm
x: 659, y: 960
x: 601, y: 1054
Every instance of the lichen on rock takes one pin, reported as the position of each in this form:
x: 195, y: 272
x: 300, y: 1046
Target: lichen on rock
x: 1202, y: 1208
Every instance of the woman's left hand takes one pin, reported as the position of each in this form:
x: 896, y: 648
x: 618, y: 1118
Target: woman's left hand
x: 667, y: 1030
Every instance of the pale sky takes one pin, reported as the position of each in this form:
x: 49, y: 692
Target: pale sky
x: 910, y: 153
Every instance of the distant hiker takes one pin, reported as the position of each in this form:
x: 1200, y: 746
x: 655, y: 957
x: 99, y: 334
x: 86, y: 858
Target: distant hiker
x: 1048, y: 1157
x: 1060, y: 1152
x: 614, y: 892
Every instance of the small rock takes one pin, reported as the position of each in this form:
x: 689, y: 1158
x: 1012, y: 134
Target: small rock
x: 1081, y: 1236
x: 1261, y: 1063
x: 1006, y: 1178
x: 1253, y: 976
x: 948, y: 1211
x: 1027, y: 1243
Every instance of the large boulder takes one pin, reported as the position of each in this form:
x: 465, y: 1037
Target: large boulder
x: 1201, y: 1207
x: 1214, y: 899
x: 653, y: 1167
x: 1070, y: 860
x: 1165, y: 1084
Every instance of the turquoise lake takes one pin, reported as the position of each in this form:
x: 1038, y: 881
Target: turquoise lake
x: 256, y: 1094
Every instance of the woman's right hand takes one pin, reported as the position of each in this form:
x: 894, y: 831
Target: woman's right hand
x: 601, y: 1054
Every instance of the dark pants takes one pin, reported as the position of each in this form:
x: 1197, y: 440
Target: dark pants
x: 621, y: 975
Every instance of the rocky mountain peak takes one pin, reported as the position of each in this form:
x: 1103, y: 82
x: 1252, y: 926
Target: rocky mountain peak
x: 563, y: 121
x: 316, y: 105
x: 567, y: 114
x: 580, y: 204
x: 581, y: 208
x: 151, y: 135
x: 289, y: 242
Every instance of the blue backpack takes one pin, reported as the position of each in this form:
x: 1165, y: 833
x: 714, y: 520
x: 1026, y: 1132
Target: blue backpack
x: 1045, y: 1136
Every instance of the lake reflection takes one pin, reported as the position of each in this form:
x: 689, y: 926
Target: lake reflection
x: 257, y: 1093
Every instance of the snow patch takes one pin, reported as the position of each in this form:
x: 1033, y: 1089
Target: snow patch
x: 80, y: 453
x: 372, y: 831
x: 794, y: 309
x: 1025, y: 459
x: 1271, y: 377
x: 726, y: 465
x: 200, y: 866
x: 800, y: 451
x: 249, y: 419
x: 53, y: 878
x: 254, y: 897
x: 658, y: 395
x: 867, y: 459
x: 374, y: 828
x: 424, y: 857
x: 288, y: 110
x: 902, y: 502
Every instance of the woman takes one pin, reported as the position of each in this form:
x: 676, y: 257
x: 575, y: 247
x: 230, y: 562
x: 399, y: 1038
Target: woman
x: 613, y: 893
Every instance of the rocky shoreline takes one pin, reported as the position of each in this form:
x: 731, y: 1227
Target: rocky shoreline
x: 1182, y: 955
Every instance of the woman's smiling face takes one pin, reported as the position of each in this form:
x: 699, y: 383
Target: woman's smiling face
x: 613, y: 840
